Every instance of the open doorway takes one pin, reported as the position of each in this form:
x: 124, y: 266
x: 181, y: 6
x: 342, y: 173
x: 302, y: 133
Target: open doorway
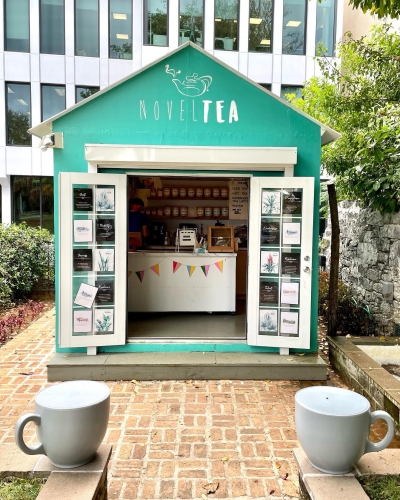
x: 194, y: 292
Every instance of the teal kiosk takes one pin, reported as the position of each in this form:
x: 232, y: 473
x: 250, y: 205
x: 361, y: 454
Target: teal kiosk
x: 201, y: 145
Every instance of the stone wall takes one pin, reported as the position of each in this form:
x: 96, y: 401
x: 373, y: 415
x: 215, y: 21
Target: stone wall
x: 369, y: 256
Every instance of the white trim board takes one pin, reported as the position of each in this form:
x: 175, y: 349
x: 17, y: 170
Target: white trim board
x: 181, y: 157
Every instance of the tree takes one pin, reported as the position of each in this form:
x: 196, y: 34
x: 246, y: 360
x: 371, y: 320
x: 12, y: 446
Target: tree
x: 359, y: 97
x: 382, y: 8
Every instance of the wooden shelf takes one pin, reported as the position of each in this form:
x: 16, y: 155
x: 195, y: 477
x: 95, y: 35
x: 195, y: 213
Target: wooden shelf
x: 193, y: 198
x: 221, y: 217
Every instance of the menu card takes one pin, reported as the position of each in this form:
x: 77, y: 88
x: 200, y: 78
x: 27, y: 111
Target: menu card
x: 289, y: 322
x: 83, y: 199
x: 83, y: 260
x: 291, y: 233
x: 105, y: 293
x: 105, y: 230
x: 104, y: 320
x: 85, y: 295
x: 292, y: 203
x: 271, y: 203
x: 268, y: 320
x: 290, y: 263
x: 83, y: 231
x: 82, y: 321
x: 290, y: 293
x: 269, y: 291
x: 270, y: 232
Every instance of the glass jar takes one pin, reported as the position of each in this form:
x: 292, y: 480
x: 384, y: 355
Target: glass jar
x: 199, y: 192
x: 183, y: 192
x: 153, y: 192
x: 160, y: 211
x: 207, y: 192
x: 224, y: 192
x: 183, y: 211
x: 175, y: 192
x: 167, y: 192
x: 200, y: 211
x: 167, y: 211
x: 175, y: 211
x: 225, y: 211
x: 208, y: 211
x: 159, y: 193
x: 216, y: 192
x: 216, y: 211
x: 154, y: 211
x: 148, y: 211
x: 191, y: 192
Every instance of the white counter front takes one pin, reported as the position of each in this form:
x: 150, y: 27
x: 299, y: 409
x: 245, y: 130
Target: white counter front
x: 169, y: 281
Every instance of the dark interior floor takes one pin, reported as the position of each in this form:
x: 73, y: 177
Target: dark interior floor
x: 201, y: 326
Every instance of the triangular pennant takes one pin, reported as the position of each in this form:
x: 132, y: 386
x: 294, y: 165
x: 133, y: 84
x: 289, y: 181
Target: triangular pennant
x: 191, y: 270
x: 205, y: 269
x: 220, y: 265
x: 175, y: 266
x: 156, y: 269
x: 140, y: 275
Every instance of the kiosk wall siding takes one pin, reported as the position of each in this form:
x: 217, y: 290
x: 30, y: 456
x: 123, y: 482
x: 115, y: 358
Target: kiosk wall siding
x: 117, y: 117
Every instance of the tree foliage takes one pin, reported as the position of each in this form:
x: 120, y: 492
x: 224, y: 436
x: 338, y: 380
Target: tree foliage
x: 360, y: 97
x: 382, y: 8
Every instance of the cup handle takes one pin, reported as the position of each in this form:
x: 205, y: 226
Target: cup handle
x: 389, y: 435
x: 19, y: 438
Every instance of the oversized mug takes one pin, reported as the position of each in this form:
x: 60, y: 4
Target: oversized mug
x: 333, y: 425
x: 71, y: 421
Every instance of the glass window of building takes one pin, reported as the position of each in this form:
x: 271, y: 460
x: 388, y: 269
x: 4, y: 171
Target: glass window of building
x: 325, y: 34
x: 266, y: 86
x: 18, y: 96
x: 82, y: 93
x: 52, y: 31
x: 260, y: 26
x: 226, y: 29
x: 16, y: 25
x: 53, y: 100
x: 294, y: 27
x: 291, y: 89
x: 87, y: 28
x: 121, y: 29
x: 1, y: 205
x: 156, y: 22
x: 33, y: 201
x: 191, y: 21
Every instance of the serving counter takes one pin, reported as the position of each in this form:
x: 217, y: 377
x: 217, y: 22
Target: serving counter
x: 171, y: 281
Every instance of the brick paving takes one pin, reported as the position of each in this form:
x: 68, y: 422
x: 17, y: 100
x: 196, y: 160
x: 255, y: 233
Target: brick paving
x: 172, y: 438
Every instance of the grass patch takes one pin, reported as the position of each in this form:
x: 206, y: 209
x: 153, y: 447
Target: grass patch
x: 381, y: 487
x: 15, y: 488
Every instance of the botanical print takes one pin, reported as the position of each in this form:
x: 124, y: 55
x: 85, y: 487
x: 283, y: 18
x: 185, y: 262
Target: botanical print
x: 105, y: 260
x: 85, y: 295
x: 82, y: 321
x: 105, y: 200
x: 268, y: 320
x: 290, y: 293
x: 291, y: 233
x: 104, y: 320
x: 269, y: 262
x: 289, y: 322
x: 271, y: 202
x: 83, y: 231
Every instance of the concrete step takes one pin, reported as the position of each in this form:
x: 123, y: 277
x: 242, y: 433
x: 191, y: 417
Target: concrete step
x: 185, y: 366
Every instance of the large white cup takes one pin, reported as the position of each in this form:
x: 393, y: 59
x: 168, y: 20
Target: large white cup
x: 333, y: 425
x: 71, y: 421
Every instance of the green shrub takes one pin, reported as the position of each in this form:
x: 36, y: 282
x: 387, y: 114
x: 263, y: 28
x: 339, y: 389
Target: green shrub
x: 26, y: 256
x: 352, y: 316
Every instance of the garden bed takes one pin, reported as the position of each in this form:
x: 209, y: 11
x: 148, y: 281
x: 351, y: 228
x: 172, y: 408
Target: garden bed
x: 17, y: 488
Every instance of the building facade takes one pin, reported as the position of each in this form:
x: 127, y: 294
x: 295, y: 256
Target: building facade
x: 55, y: 53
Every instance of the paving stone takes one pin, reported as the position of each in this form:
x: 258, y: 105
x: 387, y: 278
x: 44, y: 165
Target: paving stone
x: 335, y: 488
x: 383, y: 462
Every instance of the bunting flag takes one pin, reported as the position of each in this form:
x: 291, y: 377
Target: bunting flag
x: 140, y: 275
x: 156, y: 269
x: 220, y: 265
x: 175, y: 266
x: 205, y: 269
x: 191, y: 269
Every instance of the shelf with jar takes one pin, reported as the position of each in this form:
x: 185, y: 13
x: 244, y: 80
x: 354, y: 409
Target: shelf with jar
x: 151, y: 198
x: 186, y: 212
x: 189, y: 193
x: 219, y: 217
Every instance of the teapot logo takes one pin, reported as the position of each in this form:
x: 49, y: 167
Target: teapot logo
x: 191, y: 86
